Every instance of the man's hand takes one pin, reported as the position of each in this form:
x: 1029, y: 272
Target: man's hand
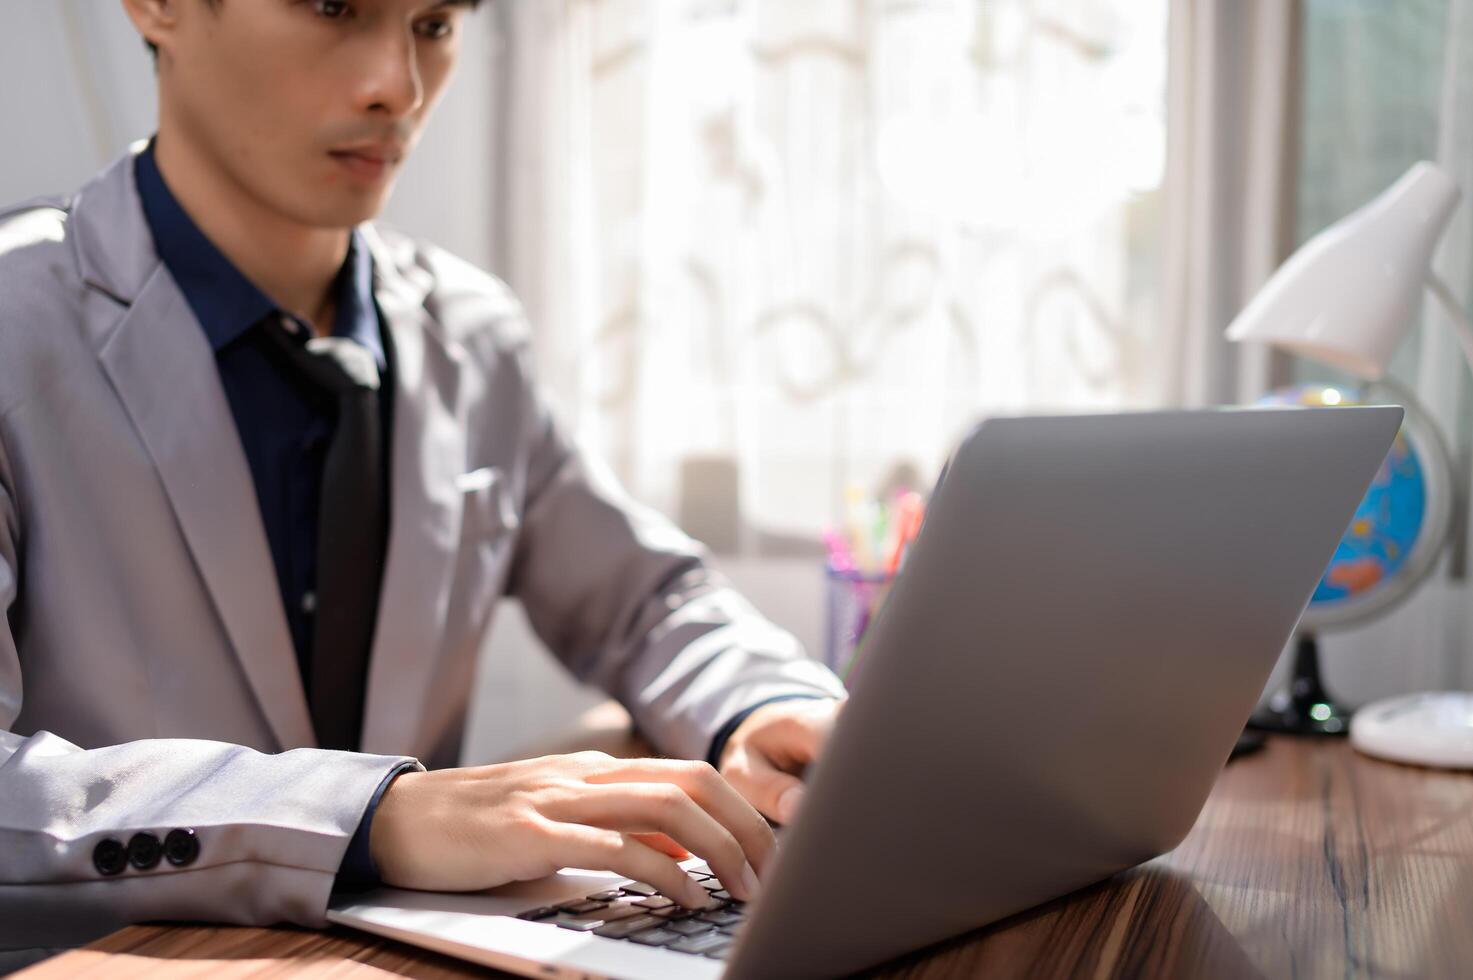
x: 473, y: 828
x: 766, y: 755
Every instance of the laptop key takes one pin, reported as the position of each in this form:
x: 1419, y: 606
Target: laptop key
x: 605, y: 896
x: 674, y: 913
x: 612, y: 913
x: 724, y: 917
x: 639, y: 888
x: 707, y: 944
x: 655, y: 902
x: 656, y: 937
x: 580, y: 906
x: 690, y: 927
x: 536, y: 915
x: 625, y: 927
x: 576, y: 924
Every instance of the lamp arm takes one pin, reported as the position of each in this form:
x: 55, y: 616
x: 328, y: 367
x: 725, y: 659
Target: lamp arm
x: 1455, y: 312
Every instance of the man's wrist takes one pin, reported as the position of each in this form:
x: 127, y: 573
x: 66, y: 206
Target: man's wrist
x: 357, y: 872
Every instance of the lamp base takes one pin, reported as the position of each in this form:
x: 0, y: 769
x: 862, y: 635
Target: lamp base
x: 1434, y: 728
x: 1287, y: 716
x: 1304, y: 707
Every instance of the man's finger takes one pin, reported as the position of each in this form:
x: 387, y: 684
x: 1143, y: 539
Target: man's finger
x: 793, y: 733
x: 665, y: 808
x: 608, y: 850
x: 774, y: 792
x: 711, y: 792
x: 663, y: 844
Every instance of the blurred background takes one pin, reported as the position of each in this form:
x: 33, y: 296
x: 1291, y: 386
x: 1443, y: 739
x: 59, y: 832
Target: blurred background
x: 773, y: 249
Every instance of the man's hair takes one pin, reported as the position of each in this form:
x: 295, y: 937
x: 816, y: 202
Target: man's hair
x: 154, y: 50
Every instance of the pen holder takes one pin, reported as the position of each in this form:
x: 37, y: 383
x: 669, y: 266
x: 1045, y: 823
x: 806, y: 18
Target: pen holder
x: 854, y: 599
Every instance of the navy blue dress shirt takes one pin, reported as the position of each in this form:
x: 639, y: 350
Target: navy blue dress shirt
x: 284, y: 422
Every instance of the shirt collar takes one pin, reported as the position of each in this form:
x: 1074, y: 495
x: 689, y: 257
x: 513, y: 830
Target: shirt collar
x: 224, y: 301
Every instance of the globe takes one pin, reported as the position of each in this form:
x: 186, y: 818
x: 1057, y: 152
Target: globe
x: 1401, y: 524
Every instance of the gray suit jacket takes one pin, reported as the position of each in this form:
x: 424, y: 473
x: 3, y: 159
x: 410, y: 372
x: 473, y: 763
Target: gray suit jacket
x: 147, y: 678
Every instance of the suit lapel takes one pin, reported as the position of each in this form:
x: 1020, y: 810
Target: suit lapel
x: 162, y: 367
x: 157, y: 358
x: 164, y: 371
x: 427, y: 454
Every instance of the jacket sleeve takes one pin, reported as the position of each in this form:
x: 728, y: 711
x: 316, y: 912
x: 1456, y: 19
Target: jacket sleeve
x: 628, y: 602
x: 85, y: 835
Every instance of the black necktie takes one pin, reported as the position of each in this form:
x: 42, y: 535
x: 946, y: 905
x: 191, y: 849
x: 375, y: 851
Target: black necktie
x: 351, y: 529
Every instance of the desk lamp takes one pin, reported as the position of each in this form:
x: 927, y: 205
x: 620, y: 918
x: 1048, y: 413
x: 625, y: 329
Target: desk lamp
x: 1346, y: 298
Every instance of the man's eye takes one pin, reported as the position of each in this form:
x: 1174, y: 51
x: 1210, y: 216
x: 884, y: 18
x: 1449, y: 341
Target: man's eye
x: 434, y: 29
x: 332, y: 9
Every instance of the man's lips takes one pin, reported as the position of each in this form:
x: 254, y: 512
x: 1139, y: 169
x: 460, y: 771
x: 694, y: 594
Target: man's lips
x: 369, y: 162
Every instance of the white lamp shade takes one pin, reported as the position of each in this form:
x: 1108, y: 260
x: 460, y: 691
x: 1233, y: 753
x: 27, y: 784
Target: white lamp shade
x: 1347, y: 296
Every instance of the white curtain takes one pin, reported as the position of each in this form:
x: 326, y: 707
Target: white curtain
x: 1229, y: 188
x: 771, y: 248
x: 1284, y: 117
x: 1387, y: 85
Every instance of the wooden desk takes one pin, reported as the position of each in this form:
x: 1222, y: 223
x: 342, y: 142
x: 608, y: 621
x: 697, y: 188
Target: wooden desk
x: 1308, y: 861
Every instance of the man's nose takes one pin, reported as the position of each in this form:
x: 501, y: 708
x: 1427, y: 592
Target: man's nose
x: 390, y: 74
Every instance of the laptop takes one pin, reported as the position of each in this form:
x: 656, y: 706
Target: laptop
x: 1079, y: 633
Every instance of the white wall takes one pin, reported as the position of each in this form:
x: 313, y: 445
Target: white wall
x: 76, y: 87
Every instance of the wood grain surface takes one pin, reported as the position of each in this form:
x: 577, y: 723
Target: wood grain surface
x: 1309, y: 860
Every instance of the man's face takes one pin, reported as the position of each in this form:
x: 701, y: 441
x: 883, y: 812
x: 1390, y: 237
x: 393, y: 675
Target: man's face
x: 277, y: 94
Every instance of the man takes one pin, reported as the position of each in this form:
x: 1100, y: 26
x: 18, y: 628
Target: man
x: 264, y: 470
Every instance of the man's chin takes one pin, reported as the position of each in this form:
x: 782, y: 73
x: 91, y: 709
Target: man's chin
x: 345, y: 214
x: 338, y: 199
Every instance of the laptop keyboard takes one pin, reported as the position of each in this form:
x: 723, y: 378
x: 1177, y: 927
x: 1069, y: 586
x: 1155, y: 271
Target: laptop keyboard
x: 637, y: 912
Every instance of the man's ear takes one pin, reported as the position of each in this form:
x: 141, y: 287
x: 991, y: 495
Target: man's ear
x: 155, y: 20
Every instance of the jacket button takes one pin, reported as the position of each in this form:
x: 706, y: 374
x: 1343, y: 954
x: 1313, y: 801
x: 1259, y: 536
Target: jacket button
x: 181, y: 847
x: 109, y: 856
x: 144, y: 850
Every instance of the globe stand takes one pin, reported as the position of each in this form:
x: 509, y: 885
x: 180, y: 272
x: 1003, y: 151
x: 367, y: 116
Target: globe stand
x: 1400, y: 529
x: 1304, y: 707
